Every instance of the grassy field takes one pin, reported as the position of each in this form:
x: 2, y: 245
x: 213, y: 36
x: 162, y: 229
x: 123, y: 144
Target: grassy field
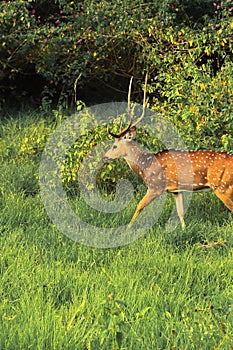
x: 163, y: 291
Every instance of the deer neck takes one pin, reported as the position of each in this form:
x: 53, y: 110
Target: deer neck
x: 138, y: 160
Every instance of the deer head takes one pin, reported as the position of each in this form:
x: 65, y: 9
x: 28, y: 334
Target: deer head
x: 122, y: 146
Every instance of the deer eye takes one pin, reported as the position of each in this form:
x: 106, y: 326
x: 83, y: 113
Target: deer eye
x: 114, y: 146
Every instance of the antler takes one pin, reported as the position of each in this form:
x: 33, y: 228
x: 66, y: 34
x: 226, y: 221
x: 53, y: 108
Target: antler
x: 130, y: 111
x: 145, y: 101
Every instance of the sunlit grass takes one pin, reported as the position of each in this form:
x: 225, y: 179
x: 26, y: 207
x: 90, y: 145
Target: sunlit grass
x: 163, y: 291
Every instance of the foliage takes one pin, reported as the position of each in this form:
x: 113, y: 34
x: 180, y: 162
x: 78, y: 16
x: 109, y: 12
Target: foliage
x: 199, y: 105
x: 71, y: 43
x: 186, y: 47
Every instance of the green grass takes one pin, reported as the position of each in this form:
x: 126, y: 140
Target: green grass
x: 163, y: 291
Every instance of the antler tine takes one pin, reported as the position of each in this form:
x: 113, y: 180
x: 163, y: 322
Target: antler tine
x: 145, y: 101
x: 122, y: 132
x: 129, y: 102
x: 130, y: 111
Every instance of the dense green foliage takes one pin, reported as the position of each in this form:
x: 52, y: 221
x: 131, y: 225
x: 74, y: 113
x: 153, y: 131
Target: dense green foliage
x: 63, y: 48
x: 64, y: 45
x: 164, y: 291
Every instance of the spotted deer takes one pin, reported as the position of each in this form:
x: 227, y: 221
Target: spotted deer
x: 175, y: 171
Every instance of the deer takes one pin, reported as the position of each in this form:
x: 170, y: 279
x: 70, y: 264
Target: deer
x: 170, y: 170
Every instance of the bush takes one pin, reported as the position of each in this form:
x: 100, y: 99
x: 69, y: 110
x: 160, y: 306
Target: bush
x: 68, y: 44
x: 186, y: 48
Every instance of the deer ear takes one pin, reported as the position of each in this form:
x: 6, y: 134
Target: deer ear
x: 131, y: 134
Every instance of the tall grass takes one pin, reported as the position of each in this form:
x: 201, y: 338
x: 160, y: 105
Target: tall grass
x: 163, y: 291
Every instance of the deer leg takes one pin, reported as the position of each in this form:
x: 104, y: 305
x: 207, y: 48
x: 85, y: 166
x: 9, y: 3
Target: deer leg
x: 180, y: 207
x: 226, y: 197
x: 149, y: 196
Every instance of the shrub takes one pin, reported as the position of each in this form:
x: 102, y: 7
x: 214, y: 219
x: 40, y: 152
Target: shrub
x: 72, y: 43
x: 186, y: 47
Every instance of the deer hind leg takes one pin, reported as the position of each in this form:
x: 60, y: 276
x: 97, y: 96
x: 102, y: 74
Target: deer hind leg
x: 149, y: 196
x: 179, y: 197
x: 226, y: 196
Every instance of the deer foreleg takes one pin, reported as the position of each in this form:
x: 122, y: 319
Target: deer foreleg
x: 180, y: 207
x: 149, y: 196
